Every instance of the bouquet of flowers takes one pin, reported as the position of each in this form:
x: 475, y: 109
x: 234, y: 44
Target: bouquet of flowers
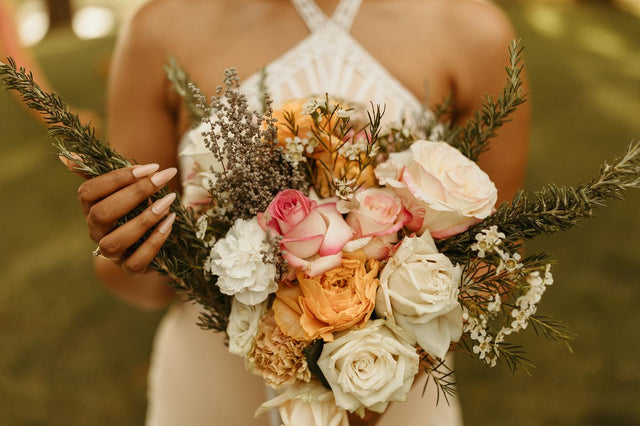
x: 342, y: 257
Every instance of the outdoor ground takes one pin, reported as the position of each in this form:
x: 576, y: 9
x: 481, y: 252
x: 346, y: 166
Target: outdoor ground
x: 73, y: 355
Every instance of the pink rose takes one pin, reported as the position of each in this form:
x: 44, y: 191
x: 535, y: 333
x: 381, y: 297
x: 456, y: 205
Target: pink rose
x: 312, y: 235
x: 376, y: 215
x: 444, y: 191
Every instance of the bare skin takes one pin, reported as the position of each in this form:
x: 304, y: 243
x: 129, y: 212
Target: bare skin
x: 457, y: 46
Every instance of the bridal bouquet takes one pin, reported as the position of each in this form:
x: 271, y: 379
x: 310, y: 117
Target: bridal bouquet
x: 343, y: 257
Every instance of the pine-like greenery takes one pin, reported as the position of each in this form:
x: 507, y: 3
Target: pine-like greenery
x: 94, y: 157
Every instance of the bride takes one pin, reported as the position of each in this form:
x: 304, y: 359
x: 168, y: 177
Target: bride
x: 398, y: 52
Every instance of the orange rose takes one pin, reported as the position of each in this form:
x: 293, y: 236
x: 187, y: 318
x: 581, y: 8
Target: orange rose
x: 339, y: 299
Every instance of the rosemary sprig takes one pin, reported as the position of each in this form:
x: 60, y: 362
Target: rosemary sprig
x: 474, y: 138
x: 95, y: 157
x: 182, y: 85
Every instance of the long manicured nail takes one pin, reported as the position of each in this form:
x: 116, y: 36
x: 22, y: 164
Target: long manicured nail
x: 165, y: 226
x: 163, y: 204
x: 145, y: 170
x: 164, y: 176
x: 63, y: 160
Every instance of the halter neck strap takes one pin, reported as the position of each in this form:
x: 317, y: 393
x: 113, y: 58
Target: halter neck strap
x: 316, y: 20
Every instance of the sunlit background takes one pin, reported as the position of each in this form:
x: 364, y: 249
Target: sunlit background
x: 72, y: 354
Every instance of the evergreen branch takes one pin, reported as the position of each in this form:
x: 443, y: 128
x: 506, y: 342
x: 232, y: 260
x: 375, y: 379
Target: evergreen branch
x: 514, y: 357
x: 551, y: 329
x: 77, y: 142
x: 474, y: 138
x: 442, y: 377
x: 181, y: 83
x: 553, y: 208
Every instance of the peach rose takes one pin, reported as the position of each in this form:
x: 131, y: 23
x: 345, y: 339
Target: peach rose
x: 444, y: 191
x: 376, y: 215
x: 312, y: 235
x: 293, y: 108
x: 340, y: 299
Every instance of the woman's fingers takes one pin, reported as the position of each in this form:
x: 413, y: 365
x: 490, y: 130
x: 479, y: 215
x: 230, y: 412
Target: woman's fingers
x: 102, y: 216
x: 115, y: 244
x: 140, y: 260
x: 102, y: 186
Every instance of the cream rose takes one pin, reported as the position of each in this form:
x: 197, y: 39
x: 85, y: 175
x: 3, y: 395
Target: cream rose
x: 444, y: 191
x: 308, y: 404
x: 298, y: 413
x: 368, y: 368
x: 419, y: 290
x: 243, y: 326
x: 198, y: 161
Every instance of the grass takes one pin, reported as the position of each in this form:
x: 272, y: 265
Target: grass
x: 72, y: 354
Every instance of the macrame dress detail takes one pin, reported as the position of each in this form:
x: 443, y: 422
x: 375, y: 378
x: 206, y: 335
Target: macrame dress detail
x: 193, y: 379
x: 331, y: 61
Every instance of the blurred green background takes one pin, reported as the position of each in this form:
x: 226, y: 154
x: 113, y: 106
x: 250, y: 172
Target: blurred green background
x: 73, y: 355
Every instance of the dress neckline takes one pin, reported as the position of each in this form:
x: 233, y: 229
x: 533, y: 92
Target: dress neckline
x: 330, y: 37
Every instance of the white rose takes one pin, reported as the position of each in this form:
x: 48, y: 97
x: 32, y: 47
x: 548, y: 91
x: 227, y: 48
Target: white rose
x: 369, y: 367
x: 243, y: 326
x: 298, y: 413
x: 237, y: 261
x: 308, y: 404
x: 419, y: 290
x: 443, y: 190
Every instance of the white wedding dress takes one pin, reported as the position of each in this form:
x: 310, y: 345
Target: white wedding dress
x: 193, y: 379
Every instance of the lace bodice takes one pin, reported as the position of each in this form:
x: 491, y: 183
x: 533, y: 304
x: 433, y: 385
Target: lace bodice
x: 331, y: 61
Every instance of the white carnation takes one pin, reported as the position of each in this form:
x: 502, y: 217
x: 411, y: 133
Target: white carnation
x: 243, y: 326
x: 237, y: 260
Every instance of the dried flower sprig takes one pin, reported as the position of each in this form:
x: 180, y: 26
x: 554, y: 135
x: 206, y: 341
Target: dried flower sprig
x: 254, y: 168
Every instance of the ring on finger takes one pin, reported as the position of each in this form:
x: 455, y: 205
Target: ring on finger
x: 98, y: 253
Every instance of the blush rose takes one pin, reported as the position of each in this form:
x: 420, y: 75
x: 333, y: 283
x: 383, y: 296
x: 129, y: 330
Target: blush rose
x: 312, y: 235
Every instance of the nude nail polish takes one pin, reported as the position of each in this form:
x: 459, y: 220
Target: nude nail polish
x: 144, y: 170
x: 165, y: 226
x: 164, y: 176
x: 161, y: 205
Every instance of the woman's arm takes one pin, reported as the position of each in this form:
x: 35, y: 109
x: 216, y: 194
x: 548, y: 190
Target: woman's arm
x: 482, y: 36
x: 141, y: 126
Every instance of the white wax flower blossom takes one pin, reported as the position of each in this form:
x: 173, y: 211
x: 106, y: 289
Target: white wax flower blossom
x: 369, y: 367
x: 343, y: 113
x: 487, y: 241
x: 509, y: 262
x: 310, y: 106
x: 242, y: 327
x: 419, y: 289
x: 494, y: 305
x: 237, y: 259
x: 201, y: 227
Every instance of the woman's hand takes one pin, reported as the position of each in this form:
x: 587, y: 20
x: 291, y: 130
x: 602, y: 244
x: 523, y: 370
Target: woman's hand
x: 107, y: 198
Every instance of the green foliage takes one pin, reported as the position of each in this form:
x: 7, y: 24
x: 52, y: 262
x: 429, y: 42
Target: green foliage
x: 77, y: 142
x: 182, y: 85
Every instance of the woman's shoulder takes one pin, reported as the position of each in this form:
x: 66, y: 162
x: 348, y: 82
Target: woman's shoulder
x: 480, y: 19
